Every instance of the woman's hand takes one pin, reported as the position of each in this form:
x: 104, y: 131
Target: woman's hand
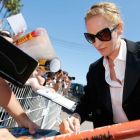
x: 70, y: 125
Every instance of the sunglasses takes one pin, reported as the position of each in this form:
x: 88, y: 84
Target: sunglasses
x: 103, y: 35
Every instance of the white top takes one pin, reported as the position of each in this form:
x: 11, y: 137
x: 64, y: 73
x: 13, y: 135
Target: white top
x: 116, y: 88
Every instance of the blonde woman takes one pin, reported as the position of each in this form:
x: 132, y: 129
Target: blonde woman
x: 113, y: 81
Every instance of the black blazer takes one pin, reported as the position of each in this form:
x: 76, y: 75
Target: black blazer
x: 97, y: 99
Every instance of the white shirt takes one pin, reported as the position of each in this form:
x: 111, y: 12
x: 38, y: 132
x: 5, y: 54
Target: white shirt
x: 116, y: 88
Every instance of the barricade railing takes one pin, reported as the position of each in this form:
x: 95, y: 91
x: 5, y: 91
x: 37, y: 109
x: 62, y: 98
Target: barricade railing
x: 123, y: 131
x: 40, y: 110
x: 51, y: 113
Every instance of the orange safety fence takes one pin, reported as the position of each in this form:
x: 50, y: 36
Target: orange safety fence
x: 113, y: 132
x: 27, y: 37
x: 36, y: 44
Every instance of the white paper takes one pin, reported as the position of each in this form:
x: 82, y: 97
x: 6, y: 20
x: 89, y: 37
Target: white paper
x: 17, y: 23
x: 57, y: 98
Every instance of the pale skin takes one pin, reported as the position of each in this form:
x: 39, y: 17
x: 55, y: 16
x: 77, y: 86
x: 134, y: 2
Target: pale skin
x: 70, y: 125
x: 108, y: 49
x: 36, y: 81
x: 6, y: 135
x: 9, y: 102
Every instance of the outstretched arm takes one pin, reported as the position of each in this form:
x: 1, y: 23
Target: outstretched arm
x: 9, y: 102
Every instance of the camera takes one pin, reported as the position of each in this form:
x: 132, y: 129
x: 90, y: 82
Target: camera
x: 71, y: 78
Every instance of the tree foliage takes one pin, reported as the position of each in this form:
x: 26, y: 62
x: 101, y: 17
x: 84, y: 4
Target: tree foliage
x: 12, y: 7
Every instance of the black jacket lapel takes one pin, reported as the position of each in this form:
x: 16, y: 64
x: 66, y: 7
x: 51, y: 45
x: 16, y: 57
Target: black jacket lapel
x: 103, y: 87
x: 132, y: 72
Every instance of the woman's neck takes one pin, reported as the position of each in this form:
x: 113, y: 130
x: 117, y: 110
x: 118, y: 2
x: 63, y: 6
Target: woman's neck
x: 115, y: 52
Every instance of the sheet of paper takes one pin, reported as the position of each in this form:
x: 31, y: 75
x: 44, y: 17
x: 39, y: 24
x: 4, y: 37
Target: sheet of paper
x: 17, y: 23
x: 57, y: 98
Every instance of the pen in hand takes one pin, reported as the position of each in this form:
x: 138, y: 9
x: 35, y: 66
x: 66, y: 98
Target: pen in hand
x: 73, y: 124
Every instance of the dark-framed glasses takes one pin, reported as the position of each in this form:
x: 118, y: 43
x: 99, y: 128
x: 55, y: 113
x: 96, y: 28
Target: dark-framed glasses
x: 103, y: 35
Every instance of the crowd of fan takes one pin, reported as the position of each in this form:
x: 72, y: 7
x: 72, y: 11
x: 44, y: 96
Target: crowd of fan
x: 58, y: 81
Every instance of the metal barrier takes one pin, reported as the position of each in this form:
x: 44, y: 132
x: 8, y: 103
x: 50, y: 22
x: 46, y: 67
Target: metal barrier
x: 51, y: 115
x: 40, y: 110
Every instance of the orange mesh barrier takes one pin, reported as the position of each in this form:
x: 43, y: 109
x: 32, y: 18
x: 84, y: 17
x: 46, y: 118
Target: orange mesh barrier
x: 26, y: 37
x: 114, y: 132
x: 36, y: 44
x: 24, y: 138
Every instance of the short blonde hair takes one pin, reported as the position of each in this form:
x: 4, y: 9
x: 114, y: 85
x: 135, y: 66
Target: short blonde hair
x: 106, y: 9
